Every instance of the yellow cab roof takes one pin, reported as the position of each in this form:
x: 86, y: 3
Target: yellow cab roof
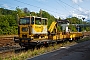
x: 30, y: 16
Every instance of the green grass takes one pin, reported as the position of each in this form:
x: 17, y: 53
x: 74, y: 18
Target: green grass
x: 42, y: 50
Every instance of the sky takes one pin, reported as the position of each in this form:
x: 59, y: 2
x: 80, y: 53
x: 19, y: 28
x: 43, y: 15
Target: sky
x: 57, y: 8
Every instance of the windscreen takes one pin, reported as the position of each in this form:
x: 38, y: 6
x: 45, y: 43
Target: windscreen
x: 24, y: 21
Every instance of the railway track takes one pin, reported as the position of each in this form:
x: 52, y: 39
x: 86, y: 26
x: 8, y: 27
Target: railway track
x: 7, y: 44
x: 86, y: 33
x: 8, y: 49
x: 7, y: 41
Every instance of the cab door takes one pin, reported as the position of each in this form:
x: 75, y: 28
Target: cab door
x: 24, y: 27
x: 24, y: 31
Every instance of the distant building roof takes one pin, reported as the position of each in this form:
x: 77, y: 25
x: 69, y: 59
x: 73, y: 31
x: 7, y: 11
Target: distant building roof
x: 63, y: 21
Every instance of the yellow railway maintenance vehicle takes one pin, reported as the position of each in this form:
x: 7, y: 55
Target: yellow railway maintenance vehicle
x: 33, y: 31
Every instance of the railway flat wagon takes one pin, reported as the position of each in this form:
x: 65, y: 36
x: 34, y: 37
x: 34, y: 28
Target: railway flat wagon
x: 76, y: 35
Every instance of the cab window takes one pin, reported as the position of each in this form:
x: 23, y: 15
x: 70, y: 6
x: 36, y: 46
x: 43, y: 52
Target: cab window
x: 44, y: 21
x: 38, y: 21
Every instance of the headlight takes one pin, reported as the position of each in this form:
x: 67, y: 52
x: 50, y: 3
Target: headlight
x: 24, y: 29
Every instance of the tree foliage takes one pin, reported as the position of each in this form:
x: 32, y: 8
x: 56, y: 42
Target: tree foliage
x: 8, y: 23
x: 75, y: 20
x: 8, y: 19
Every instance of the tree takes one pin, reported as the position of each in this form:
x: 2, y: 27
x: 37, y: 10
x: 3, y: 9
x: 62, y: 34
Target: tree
x: 20, y: 12
x: 26, y: 11
x: 33, y: 14
x: 8, y: 21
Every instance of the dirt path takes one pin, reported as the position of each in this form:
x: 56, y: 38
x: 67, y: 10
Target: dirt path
x: 80, y: 51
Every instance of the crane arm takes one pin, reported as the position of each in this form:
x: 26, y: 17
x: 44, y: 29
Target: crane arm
x: 52, y: 26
